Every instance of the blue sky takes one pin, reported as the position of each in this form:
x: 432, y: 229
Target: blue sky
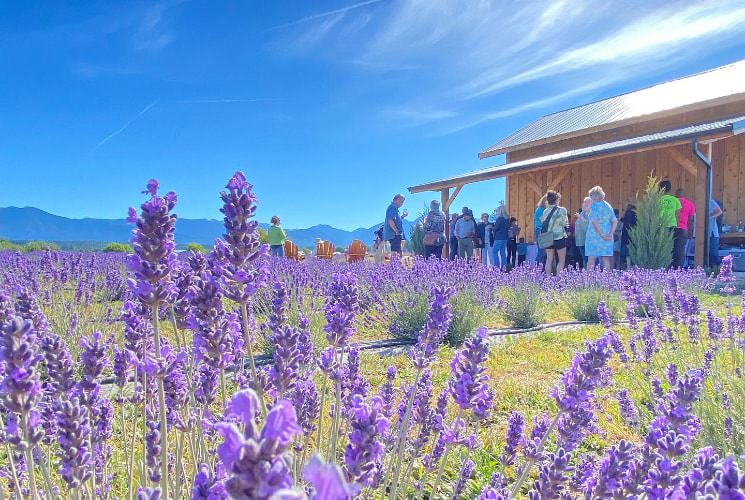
x: 329, y: 107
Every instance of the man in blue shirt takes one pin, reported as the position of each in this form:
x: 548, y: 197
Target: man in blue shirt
x: 393, y: 230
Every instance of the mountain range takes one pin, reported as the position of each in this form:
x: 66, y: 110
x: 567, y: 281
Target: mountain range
x: 30, y: 223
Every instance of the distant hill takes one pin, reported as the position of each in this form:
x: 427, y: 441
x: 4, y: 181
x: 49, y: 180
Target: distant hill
x: 29, y: 223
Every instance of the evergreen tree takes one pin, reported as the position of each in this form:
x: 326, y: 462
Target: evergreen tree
x: 651, y: 243
x: 417, y: 239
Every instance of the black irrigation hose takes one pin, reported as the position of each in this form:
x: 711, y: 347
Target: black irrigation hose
x: 374, y: 345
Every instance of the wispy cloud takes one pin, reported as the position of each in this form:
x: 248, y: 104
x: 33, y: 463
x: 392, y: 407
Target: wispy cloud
x: 322, y: 15
x: 478, y: 62
x: 153, y: 33
x: 224, y: 101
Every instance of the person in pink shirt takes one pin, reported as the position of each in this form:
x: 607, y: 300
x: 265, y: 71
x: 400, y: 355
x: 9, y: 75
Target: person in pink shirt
x: 684, y: 229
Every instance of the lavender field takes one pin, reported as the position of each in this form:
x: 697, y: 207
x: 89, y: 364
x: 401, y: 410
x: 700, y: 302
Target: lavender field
x: 233, y: 374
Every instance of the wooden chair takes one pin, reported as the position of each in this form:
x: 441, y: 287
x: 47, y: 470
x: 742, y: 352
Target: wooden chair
x: 357, y: 251
x: 324, y: 250
x: 291, y: 251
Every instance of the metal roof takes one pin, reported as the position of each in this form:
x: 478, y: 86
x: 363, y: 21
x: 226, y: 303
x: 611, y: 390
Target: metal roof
x: 732, y: 125
x: 688, y: 91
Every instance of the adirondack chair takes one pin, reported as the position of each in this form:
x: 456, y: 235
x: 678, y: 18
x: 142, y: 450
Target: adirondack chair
x: 356, y: 252
x: 324, y: 250
x: 291, y: 251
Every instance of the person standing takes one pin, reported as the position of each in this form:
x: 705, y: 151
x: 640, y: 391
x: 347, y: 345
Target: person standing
x: 683, y: 229
x: 434, y: 231
x: 580, y: 231
x: 714, y: 211
x: 453, y: 239
x: 554, y: 221
x: 277, y: 237
x: 669, y: 210
x: 539, y: 209
x: 499, y: 235
x: 629, y: 221
x: 599, y: 240
x: 513, y: 232
x: 482, y: 233
x: 393, y: 229
x: 465, y: 231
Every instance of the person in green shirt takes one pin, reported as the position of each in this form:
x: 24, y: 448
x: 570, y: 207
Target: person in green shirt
x: 669, y: 206
x: 277, y: 237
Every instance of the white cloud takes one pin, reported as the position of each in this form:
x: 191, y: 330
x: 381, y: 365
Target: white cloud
x: 152, y: 32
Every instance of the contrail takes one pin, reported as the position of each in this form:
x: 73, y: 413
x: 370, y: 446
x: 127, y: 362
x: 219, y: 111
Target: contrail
x: 219, y: 101
x: 322, y: 15
x: 124, y: 127
x: 157, y: 101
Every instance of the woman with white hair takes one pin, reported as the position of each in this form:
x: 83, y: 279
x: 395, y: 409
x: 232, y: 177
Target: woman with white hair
x: 499, y: 230
x: 602, y: 225
x: 434, y: 231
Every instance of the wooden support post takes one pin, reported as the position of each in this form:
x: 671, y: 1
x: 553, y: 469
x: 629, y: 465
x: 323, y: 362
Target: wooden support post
x: 702, y: 212
x: 444, y: 197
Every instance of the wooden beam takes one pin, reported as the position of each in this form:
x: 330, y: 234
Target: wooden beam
x: 532, y: 184
x: 684, y: 161
x: 557, y: 180
x: 451, y: 199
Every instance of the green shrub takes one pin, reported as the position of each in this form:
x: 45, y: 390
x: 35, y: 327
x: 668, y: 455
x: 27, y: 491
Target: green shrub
x: 8, y: 245
x: 263, y: 236
x: 39, y: 246
x: 583, y: 304
x: 117, y: 248
x: 524, y: 306
x: 195, y: 247
x: 411, y: 313
x: 651, y: 243
x: 417, y: 239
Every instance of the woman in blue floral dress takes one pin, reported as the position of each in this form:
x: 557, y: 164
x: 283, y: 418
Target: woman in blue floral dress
x: 602, y: 225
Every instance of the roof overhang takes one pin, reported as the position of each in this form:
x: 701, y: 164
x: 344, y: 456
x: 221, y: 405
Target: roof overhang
x: 497, y: 150
x: 705, y: 132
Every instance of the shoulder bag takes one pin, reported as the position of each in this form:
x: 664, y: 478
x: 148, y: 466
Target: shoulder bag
x: 545, y: 239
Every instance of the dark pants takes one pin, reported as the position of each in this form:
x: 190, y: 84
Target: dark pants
x: 714, y: 251
x: 520, y: 260
x: 512, y: 252
x: 433, y: 251
x: 277, y: 250
x: 680, y: 237
x: 396, y: 244
x: 453, y: 247
x: 580, y: 256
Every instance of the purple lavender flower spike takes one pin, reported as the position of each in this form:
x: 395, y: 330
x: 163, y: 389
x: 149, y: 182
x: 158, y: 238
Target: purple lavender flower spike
x: 466, y: 471
x: 284, y: 372
x: 207, y: 486
x: 728, y: 482
x: 515, y: 437
x: 327, y: 480
x: 627, y: 408
x: 153, y: 259
x: 468, y: 385
x: 363, y: 456
x: 613, y: 471
x: 704, y: 468
x: 257, y: 462
x: 435, y: 327
x: 341, y: 309
x: 73, y: 435
x: 552, y: 476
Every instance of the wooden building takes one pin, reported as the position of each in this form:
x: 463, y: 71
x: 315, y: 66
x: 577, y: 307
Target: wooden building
x: 685, y: 130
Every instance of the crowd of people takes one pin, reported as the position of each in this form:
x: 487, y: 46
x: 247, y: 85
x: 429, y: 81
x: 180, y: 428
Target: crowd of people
x: 594, y: 235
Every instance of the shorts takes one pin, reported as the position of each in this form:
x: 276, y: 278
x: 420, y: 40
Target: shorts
x: 558, y: 244
x: 395, y: 244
